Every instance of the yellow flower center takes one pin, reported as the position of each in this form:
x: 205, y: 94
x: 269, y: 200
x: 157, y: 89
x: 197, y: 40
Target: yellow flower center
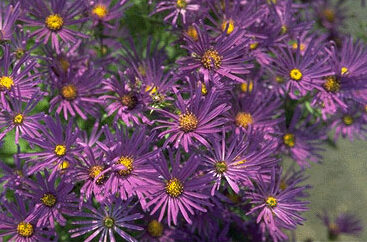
x: 181, y: 4
x: 54, y: 22
x: 230, y: 24
x: 188, y: 122
x: 94, y: 172
x: 18, y: 119
x: 279, y: 79
x: 100, y: 11
x: 344, y: 70
x: 243, y: 119
x: 103, y: 49
x: 60, y: 150
x: 333, y: 231
x: 289, y: 139
x: 142, y: 70
x: 19, y: 53
x: 108, y: 222
x: 129, y: 101
x: 64, y: 165
x: 220, y: 167
x: 204, y: 90
x: 69, y: 92
x: 247, y: 86
x: 240, y: 162
x: 283, y: 29
x: 365, y: 108
x: 210, y: 59
x: 295, y: 74
x: 18, y: 173
x: 126, y: 161
x: 271, y: 201
x: 253, y: 46
x: 174, y: 187
x: 191, y: 31
x: 234, y: 197
x: 272, y: 1
x: 157, y: 97
x: 48, y: 200
x: 295, y: 46
x: 331, y: 84
x: 283, y: 185
x: 6, y: 82
x: 348, y: 120
x: 155, y: 228
x: 151, y: 89
x: 25, y: 229
x: 329, y: 14
x: 64, y: 63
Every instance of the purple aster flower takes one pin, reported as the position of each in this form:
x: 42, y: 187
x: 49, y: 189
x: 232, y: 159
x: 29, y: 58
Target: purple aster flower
x: 204, y: 224
x: 349, y: 123
x: 156, y: 231
x: 305, y: 38
x: 20, y: 43
x: 178, y: 191
x: 52, y: 201
x: 103, y: 11
x: 275, y: 232
x: 13, y: 177
x: 176, y: 8
x: 302, y: 139
x: 19, y: 77
x: 351, y: 59
x: 8, y: 16
x: 150, y: 71
x: 15, y: 116
x: 217, y: 234
x: 195, y: 80
x: 152, y: 58
x: 345, y: 223
x: 258, y: 49
x: 77, y: 94
x: 275, y: 207
x: 198, y: 118
x: 111, y: 217
x: 124, y: 99
x: 53, y: 17
x: 329, y: 14
x: 234, y: 15
x: 266, y: 33
x: 338, y: 90
x: 103, y: 51
x: 19, y: 227
x: 58, y: 143
x: 224, y: 56
x: 128, y: 157
x: 285, y: 20
x: 89, y: 170
x: 237, y: 162
x: 302, y: 73
x: 71, y: 59
x: 259, y: 109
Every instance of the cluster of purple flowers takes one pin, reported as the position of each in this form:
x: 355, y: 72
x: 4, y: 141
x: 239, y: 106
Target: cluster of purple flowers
x: 115, y: 141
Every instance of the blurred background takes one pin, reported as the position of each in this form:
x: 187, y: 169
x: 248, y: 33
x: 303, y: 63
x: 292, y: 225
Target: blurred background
x: 339, y: 185
x: 340, y: 182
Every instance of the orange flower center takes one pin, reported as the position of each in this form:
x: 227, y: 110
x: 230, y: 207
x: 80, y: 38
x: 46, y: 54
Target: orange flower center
x: 188, y: 122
